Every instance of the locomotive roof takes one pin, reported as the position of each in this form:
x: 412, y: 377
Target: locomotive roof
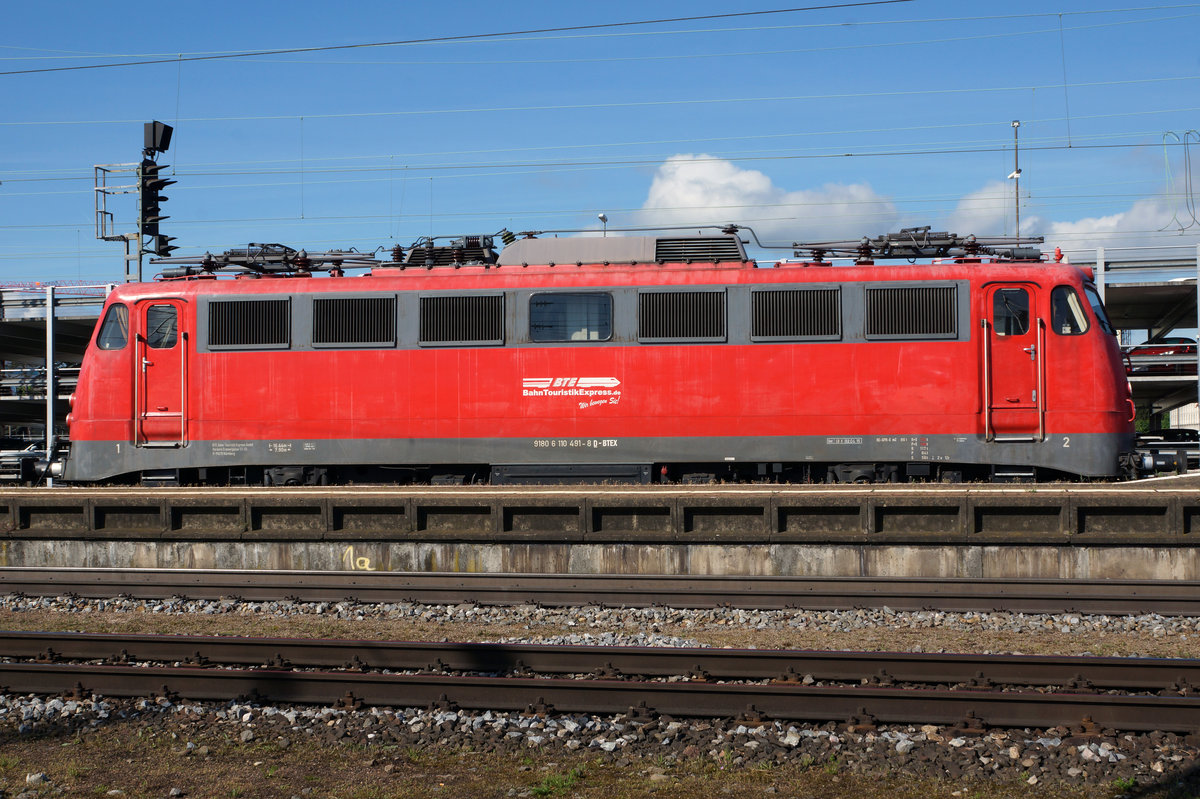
x: 568, y: 275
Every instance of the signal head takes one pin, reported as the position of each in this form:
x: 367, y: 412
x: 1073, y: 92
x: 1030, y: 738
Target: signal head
x: 161, y: 245
x: 156, y: 137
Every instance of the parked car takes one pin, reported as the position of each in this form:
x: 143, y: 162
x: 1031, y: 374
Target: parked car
x: 1162, y: 357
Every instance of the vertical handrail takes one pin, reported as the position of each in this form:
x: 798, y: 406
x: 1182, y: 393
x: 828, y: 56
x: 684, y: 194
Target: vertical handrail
x: 137, y: 383
x: 1041, y: 378
x: 987, y: 380
x: 183, y: 384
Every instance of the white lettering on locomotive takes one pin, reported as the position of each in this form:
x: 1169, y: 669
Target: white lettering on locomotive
x: 570, y: 382
x: 604, y: 389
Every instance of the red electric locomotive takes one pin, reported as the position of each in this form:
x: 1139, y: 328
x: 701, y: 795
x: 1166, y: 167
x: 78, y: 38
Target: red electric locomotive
x: 591, y: 359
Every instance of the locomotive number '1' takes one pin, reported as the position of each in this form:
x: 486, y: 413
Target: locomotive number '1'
x: 356, y: 563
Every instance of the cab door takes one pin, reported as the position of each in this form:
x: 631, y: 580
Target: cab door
x: 160, y: 374
x: 1013, y: 358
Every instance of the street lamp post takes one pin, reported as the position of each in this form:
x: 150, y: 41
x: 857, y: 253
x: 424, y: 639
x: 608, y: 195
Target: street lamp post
x: 1016, y: 176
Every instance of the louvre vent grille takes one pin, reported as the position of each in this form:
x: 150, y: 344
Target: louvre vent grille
x: 927, y: 312
x: 459, y: 320
x: 681, y: 315
x: 797, y: 313
x: 249, y: 323
x: 354, y: 320
x: 723, y: 248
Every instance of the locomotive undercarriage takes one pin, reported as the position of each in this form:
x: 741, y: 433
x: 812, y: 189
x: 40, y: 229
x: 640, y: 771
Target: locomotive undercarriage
x: 606, y: 474
x: 841, y: 459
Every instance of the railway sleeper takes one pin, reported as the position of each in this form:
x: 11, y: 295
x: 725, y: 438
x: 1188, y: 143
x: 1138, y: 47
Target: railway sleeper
x: 971, y: 725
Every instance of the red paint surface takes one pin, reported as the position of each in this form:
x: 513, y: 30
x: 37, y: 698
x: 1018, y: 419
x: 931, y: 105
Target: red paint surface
x: 761, y: 389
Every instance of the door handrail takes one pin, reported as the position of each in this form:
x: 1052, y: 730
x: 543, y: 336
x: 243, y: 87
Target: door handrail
x: 138, y: 399
x: 987, y: 380
x: 1041, y: 378
x: 183, y: 384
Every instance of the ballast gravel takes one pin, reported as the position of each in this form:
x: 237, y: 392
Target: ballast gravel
x: 1025, y: 755
x: 1035, y: 757
x: 663, y: 626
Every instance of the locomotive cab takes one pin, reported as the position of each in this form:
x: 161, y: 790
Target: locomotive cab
x: 1049, y: 376
x: 133, y: 387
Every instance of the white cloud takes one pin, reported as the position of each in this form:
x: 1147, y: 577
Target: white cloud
x: 1140, y: 225
x: 989, y: 212
x: 697, y: 189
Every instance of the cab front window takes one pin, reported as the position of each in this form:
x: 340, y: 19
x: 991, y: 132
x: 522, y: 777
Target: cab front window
x: 1098, y: 309
x: 1067, y: 317
x: 114, y: 331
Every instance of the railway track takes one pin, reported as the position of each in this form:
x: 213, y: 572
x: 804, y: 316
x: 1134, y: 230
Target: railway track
x: 1111, y: 597
x: 1080, y: 672
x: 973, y: 692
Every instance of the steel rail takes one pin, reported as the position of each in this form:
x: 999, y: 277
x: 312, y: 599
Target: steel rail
x: 1114, y: 597
x: 693, y: 699
x: 977, y: 670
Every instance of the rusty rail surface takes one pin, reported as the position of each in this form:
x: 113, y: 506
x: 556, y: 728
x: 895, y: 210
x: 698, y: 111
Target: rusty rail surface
x: 1114, y: 597
x: 975, y: 670
x: 784, y: 697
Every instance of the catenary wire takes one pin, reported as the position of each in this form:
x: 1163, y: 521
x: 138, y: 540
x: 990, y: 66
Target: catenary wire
x: 580, y: 166
x: 629, y: 104
x: 463, y: 37
x: 476, y: 38
x: 8, y: 176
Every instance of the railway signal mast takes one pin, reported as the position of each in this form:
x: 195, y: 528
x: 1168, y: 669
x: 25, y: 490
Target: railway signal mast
x: 150, y: 186
x: 148, y: 239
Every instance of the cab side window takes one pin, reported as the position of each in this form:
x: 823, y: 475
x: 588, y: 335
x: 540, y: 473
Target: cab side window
x: 114, y: 331
x: 1067, y: 316
x: 160, y: 327
x: 1010, y: 312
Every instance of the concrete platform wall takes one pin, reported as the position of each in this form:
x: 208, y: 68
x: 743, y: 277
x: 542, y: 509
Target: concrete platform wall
x: 962, y: 532
x: 965, y: 562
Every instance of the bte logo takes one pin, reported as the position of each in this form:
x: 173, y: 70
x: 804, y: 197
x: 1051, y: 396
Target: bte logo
x: 570, y: 382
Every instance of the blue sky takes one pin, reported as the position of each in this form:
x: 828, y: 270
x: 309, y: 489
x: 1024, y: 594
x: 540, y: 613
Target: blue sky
x: 805, y: 125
